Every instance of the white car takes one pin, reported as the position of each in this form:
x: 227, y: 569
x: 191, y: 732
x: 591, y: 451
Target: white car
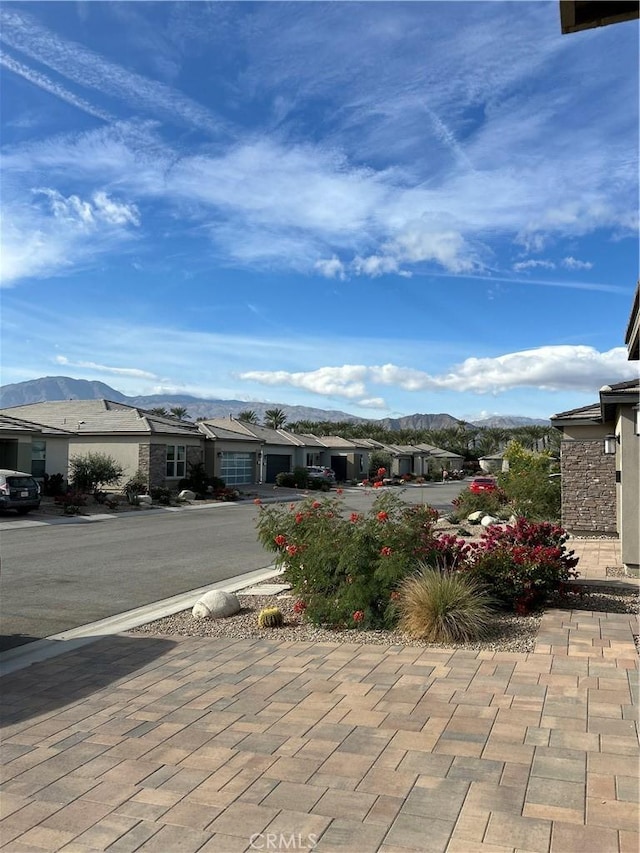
x: 18, y: 491
x: 319, y: 472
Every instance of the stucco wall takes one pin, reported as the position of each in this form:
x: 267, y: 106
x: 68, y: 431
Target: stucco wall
x: 588, y: 487
x: 629, y: 465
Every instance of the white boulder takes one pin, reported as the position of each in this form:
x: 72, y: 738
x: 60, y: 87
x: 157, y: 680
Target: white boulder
x: 475, y: 517
x: 488, y: 520
x: 216, y: 604
x: 145, y: 500
x: 187, y: 495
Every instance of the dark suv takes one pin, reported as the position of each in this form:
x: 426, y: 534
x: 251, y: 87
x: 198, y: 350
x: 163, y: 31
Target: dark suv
x: 18, y: 491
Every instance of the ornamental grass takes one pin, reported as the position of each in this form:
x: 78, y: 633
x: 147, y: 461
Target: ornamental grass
x: 443, y: 607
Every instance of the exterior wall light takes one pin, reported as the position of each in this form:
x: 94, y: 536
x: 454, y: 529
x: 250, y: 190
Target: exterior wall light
x: 610, y: 444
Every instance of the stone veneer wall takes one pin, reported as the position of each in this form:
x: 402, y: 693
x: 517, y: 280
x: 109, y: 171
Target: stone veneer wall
x: 152, y: 463
x: 588, y: 487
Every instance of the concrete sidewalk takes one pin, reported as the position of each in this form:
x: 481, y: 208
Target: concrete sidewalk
x: 184, y: 744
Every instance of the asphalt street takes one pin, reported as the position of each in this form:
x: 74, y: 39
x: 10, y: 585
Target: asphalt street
x: 55, y: 577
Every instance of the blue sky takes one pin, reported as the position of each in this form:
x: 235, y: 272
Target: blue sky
x: 383, y: 208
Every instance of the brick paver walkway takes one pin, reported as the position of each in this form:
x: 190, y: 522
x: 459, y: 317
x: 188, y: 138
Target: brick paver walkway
x: 184, y: 744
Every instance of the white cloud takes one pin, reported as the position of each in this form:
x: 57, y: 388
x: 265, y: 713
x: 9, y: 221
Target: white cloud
x: 43, y: 240
x: 574, y: 264
x: 346, y: 381
x: 133, y: 372
x: 330, y: 268
x: 550, y: 368
x: 373, y: 403
x: 521, y: 266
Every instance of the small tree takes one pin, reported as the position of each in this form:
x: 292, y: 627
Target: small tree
x: 248, y: 416
x: 87, y: 473
x: 529, y: 489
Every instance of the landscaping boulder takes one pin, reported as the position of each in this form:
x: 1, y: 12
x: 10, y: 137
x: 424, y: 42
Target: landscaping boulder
x: 187, y: 495
x: 488, y: 520
x: 216, y: 604
x: 476, y: 517
x: 145, y: 500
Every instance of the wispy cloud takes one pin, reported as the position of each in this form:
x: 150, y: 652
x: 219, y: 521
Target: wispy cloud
x: 551, y: 368
x: 88, y: 69
x: 48, y: 85
x: 575, y: 264
x: 532, y: 264
x: 42, y: 240
x: 132, y: 372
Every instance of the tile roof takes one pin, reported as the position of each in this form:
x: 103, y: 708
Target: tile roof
x: 10, y: 424
x: 583, y: 413
x: 82, y: 417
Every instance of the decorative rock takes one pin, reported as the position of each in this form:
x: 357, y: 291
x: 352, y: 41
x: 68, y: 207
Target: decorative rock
x: 488, y: 520
x: 145, y: 500
x: 187, y: 495
x: 216, y: 604
x: 475, y: 517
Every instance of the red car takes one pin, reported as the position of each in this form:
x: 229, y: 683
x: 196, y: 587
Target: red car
x: 483, y: 484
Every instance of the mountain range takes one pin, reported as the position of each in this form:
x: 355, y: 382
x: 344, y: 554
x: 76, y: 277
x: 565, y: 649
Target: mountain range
x: 50, y: 388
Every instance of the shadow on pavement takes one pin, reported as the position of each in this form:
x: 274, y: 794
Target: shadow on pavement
x: 11, y: 641
x: 75, y: 675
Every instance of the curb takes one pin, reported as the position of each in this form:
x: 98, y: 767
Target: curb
x: 23, y: 656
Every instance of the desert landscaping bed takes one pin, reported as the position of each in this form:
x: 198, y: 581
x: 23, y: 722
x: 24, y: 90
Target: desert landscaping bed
x: 511, y: 633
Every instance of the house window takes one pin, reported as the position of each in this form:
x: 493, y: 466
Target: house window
x: 176, y: 459
x: 38, y: 458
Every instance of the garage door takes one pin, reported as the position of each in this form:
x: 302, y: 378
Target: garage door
x: 238, y: 468
x: 276, y: 464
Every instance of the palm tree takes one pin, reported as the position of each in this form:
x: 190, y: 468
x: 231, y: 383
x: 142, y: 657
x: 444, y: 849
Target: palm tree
x: 160, y: 411
x: 179, y: 412
x: 248, y: 416
x: 274, y: 418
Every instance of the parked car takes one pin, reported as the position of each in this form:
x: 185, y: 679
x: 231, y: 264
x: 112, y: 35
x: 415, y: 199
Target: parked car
x: 18, y: 491
x: 482, y: 484
x: 319, y: 472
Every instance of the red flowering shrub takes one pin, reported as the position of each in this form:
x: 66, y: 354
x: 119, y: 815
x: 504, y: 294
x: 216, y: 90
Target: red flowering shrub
x: 340, y: 563
x: 524, y: 562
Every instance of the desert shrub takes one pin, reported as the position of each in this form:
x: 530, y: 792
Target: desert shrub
x: 52, y: 485
x: 161, y: 495
x: 226, y: 494
x: 286, y: 479
x: 527, y: 485
x: 467, y: 502
x: 345, y: 568
x: 199, y: 482
x: 443, y: 607
x: 523, y: 563
x: 71, y: 502
x: 88, y: 472
x: 137, y: 485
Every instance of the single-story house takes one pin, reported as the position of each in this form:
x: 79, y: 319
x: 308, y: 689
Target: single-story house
x: 159, y: 448
x: 600, y: 468
x: 348, y: 457
x: 440, y: 460
x: 494, y: 463
x: 278, y: 450
x: 600, y: 459
x: 268, y: 452
x: 25, y: 446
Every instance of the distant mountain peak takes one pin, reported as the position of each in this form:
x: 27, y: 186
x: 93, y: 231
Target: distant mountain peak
x: 51, y: 388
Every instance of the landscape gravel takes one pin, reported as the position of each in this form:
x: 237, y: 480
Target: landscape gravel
x: 510, y: 633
